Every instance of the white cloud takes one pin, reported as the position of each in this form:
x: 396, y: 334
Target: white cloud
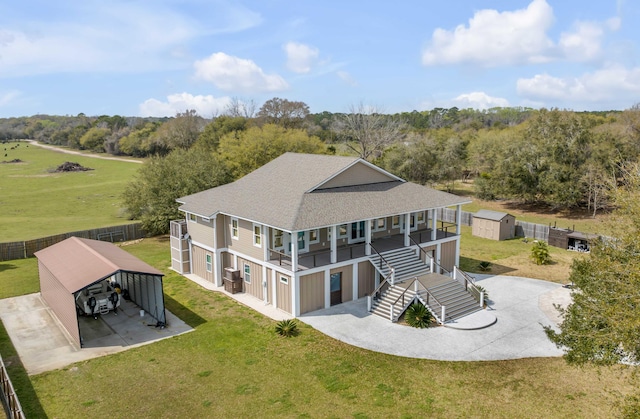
x: 300, y: 57
x: 583, y: 43
x: 119, y: 36
x: 479, y: 100
x: 495, y: 38
x: 206, y: 106
x: 612, y: 84
x: 9, y: 97
x: 346, y: 77
x: 237, y: 74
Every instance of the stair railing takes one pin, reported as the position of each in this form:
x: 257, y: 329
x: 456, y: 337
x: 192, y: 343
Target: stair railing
x: 392, y: 271
x: 375, y: 295
x: 421, y: 250
x: 469, y: 284
x: 431, y: 299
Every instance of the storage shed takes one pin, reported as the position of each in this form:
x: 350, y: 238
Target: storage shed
x: 570, y: 239
x: 75, y: 266
x: 493, y: 225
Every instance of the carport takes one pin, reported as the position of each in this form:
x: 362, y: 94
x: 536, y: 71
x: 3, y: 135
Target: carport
x: 72, y: 266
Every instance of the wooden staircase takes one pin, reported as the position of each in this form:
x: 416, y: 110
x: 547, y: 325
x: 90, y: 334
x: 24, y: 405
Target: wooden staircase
x: 404, y: 261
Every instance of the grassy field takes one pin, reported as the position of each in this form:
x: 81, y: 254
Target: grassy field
x: 234, y: 365
x: 34, y: 202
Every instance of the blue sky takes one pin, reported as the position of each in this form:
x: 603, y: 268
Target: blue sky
x: 159, y: 57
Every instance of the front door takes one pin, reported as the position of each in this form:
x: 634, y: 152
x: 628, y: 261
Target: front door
x: 357, y: 232
x: 336, y: 288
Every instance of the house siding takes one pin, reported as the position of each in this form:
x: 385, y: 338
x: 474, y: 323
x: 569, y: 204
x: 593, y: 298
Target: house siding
x: 62, y: 302
x: 358, y: 174
x: 244, y: 243
x: 283, y: 292
x: 311, y: 292
x: 221, y: 221
x: 347, y: 281
x: 366, y: 279
x: 200, y: 263
x: 227, y: 260
x: 201, y: 231
x: 255, y: 287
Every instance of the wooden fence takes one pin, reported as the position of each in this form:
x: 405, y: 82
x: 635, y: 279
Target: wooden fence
x: 523, y: 228
x: 26, y: 249
x: 10, y: 400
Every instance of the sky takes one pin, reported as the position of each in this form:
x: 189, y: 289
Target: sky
x: 160, y: 57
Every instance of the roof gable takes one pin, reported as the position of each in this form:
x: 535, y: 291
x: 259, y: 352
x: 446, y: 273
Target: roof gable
x: 491, y: 215
x: 360, y: 172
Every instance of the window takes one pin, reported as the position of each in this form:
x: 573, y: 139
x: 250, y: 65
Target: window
x: 209, y: 268
x: 192, y: 217
x: 277, y: 239
x: 234, y: 228
x: 247, y: 273
x: 257, y: 235
x: 342, y: 230
x: 314, y: 236
x: 420, y: 216
x: 284, y: 279
x: 395, y: 222
x: 378, y: 224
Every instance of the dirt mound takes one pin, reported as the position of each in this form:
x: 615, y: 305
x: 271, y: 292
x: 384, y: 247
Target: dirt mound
x: 12, y: 161
x: 71, y: 167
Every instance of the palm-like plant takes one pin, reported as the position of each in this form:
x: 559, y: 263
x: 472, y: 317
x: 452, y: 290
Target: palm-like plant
x: 417, y: 315
x: 287, y: 328
x: 540, y: 253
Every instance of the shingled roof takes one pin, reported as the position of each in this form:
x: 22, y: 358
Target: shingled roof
x: 298, y: 192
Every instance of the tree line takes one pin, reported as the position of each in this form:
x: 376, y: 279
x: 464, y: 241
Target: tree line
x: 559, y: 158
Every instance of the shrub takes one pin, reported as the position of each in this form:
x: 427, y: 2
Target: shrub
x: 417, y: 315
x: 484, y: 266
x: 287, y: 328
x: 540, y: 253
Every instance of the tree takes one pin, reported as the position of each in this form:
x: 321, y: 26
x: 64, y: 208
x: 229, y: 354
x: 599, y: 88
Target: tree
x: 367, y: 131
x: 151, y: 196
x: 94, y: 139
x: 540, y: 253
x: 237, y: 108
x: 210, y: 137
x: 245, y: 151
x: 283, y: 112
x: 179, y: 132
x: 602, y: 326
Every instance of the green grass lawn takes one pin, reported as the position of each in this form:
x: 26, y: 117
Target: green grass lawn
x: 34, y: 202
x: 234, y: 365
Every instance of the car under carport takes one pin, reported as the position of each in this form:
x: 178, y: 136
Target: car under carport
x: 73, y: 268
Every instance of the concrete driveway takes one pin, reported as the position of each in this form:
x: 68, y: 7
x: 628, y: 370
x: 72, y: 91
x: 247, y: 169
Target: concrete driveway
x: 43, y: 344
x: 522, y: 306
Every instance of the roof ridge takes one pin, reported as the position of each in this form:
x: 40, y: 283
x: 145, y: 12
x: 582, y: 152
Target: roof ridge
x: 86, y: 245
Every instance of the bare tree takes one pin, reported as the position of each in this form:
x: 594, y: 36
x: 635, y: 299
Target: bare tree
x: 367, y: 131
x: 240, y: 108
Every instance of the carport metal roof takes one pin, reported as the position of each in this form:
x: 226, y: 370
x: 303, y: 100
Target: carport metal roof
x: 77, y: 262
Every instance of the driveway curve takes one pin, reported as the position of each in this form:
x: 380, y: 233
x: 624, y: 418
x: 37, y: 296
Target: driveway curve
x: 78, y: 153
x: 522, y: 306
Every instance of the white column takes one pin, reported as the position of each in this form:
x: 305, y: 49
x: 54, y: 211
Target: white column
x: 265, y: 288
x: 376, y: 283
x: 438, y: 254
x: 458, y: 218
x: 434, y: 224
x: 354, y: 277
x: 295, y: 295
x: 334, y: 244
x: 327, y: 288
x: 407, y: 229
x: 264, y: 239
x: 457, y: 261
x: 294, y: 251
x: 367, y: 237
x: 217, y: 261
x: 274, y: 286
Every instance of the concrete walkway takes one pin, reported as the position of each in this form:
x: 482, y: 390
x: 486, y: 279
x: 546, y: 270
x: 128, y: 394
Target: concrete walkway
x: 522, y: 306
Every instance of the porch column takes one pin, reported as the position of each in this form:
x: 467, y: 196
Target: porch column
x: 265, y: 287
x: 438, y: 255
x: 407, y: 229
x: 354, y: 277
x: 217, y: 260
x: 367, y: 237
x: 434, y: 224
x: 295, y: 295
x: 274, y: 290
x: 294, y: 251
x: 264, y: 232
x: 334, y: 244
x: 458, y: 218
x: 327, y: 288
x: 457, y: 261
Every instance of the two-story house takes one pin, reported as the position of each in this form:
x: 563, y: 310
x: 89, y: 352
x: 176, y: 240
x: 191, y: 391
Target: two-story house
x: 305, y: 232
